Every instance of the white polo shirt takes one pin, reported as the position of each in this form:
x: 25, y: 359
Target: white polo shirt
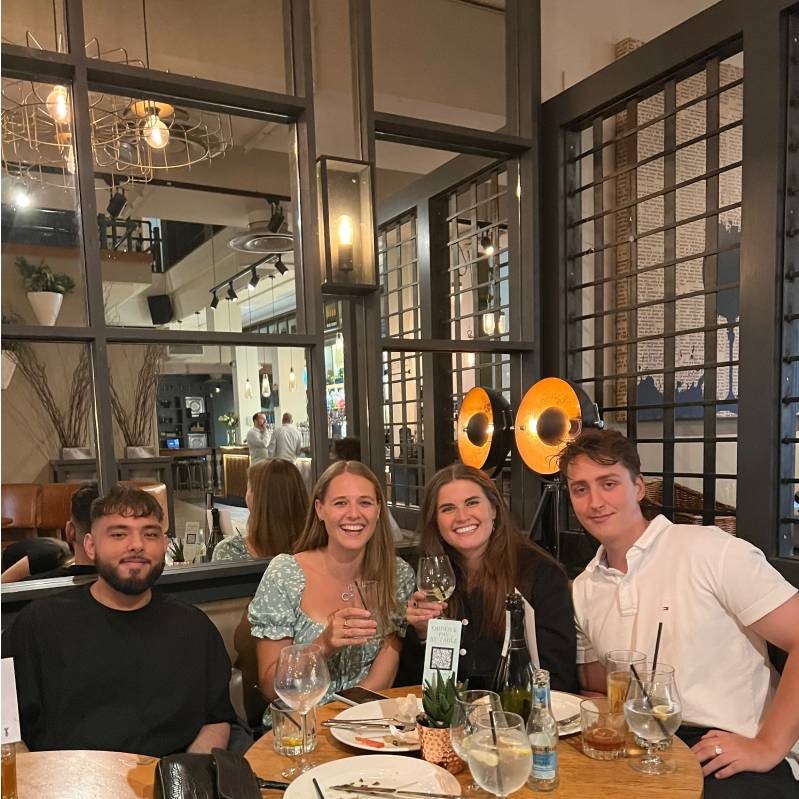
x: 707, y: 587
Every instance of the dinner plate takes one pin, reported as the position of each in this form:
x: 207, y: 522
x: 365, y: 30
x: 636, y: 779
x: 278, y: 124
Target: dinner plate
x: 565, y: 706
x: 391, y: 771
x: 380, y: 708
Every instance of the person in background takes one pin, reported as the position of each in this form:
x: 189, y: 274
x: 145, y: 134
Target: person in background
x: 719, y: 601
x: 75, y: 529
x: 464, y: 516
x: 310, y: 597
x: 278, y: 503
x: 33, y: 557
x: 258, y: 438
x: 286, y: 442
x: 90, y: 663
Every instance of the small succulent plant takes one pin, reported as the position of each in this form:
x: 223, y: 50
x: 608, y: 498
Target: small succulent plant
x: 438, y: 700
x: 176, y: 548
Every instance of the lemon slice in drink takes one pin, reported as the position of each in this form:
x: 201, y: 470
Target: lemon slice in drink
x: 487, y: 758
x: 661, y: 712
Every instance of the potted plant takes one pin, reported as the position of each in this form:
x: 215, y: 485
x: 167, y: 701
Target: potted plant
x: 231, y: 422
x: 438, y: 700
x: 177, y: 553
x: 45, y: 288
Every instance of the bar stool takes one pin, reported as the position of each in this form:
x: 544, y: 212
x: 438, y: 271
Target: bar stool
x: 196, y: 473
x: 183, y: 475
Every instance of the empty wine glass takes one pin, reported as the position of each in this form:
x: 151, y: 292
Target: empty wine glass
x: 653, y: 711
x: 499, y: 752
x: 462, y: 725
x: 435, y: 577
x: 301, y: 680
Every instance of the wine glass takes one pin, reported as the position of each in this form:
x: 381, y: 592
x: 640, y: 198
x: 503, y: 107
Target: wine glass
x: 462, y: 726
x: 499, y: 752
x: 435, y: 577
x: 653, y: 711
x: 301, y: 680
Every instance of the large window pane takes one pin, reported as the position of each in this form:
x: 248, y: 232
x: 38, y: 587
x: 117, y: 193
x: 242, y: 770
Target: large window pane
x: 239, y: 41
x: 38, y: 24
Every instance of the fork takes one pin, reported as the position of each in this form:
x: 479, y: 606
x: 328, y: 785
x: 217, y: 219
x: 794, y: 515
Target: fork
x: 569, y: 720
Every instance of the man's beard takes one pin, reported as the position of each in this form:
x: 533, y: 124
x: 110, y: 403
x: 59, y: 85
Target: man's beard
x: 130, y: 586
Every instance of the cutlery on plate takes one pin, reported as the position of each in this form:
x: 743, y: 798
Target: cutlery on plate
x: 375, y: 790
x: 368, y: 725
x: 277, y: 786
x: 570, y: 720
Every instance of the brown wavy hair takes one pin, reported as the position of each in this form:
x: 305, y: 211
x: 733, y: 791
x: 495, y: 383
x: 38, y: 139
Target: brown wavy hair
x: 498, y: 575
x: 378, y: 559
x: 279, y: 506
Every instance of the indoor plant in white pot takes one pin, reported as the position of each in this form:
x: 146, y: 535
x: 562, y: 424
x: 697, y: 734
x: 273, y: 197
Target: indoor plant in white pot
x: 46, y: 289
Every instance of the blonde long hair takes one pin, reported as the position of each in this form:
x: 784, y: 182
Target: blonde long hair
x: 378, y: 558
x: 279, y: 506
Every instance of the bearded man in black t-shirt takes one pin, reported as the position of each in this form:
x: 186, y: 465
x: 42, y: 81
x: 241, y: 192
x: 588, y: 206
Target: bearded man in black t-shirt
x: 114, y: 665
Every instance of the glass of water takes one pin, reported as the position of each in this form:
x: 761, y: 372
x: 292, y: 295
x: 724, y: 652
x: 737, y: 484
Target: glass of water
x: 287, y: 733
x: 499, y: 753
x: 653, y: 711
x: 462, y: 725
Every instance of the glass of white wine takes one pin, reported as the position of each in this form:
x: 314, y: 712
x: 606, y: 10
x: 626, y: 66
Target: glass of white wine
x: 653, y: 711
x: 301, y: 680
x: 499, y: 753
x: 436, y: 577
x: 462, y: 725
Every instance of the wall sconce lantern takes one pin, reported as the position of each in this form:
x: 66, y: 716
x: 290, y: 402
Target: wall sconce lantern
x: 346, y: 226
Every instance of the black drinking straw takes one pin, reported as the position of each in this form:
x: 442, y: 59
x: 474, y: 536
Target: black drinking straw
x: 494, y: 739
x: 647, y: 700
x: 657, y: 647
x: 318, y: 789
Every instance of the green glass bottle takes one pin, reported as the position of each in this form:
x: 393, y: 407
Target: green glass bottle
x: 513, y: 679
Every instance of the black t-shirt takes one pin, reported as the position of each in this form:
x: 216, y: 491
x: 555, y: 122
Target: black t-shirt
x: 545, y: 586
x: 143, y: 681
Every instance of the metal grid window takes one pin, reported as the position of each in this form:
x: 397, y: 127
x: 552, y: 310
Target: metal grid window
x: 478, y: 257
x: 789, y: 472
x: 402, y: 371
x: 399, y: 278
x: 653, y: 225
x: 402, y: 418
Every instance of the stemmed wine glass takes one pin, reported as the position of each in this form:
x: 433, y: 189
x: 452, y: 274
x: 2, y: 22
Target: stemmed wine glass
x: 462, y: 725
x: 435, y: 577
x: 653, y: 711
x: 301, y: 680
x: 499, y: 752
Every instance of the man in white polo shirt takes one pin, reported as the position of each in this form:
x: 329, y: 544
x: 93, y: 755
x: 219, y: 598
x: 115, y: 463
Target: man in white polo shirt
x: 719, y: 601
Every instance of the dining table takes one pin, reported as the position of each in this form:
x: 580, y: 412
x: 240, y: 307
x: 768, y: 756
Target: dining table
x: 580, y: 776
x: 83, y: 774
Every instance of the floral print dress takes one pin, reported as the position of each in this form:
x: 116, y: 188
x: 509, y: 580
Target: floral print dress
x: 275, y: 613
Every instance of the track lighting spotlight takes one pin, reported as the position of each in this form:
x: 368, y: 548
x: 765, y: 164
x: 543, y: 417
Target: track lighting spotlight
x: 231, y: 294
x: 254, y: 279
x: 214, y: 301
x: 280, y: 266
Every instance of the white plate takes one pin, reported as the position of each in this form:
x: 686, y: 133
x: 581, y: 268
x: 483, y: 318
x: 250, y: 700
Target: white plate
x: 563, y: 707
x: 380, y: 708
x: 392, y: 771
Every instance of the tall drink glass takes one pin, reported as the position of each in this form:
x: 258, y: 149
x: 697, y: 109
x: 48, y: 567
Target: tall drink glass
x: 617, y: 669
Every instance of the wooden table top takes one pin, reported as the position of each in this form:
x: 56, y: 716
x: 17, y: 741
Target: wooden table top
x: 580, y: 776
x: 81, y: 774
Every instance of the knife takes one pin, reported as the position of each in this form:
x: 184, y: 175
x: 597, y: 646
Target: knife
x: 278, y: 786
x: 372, y: 790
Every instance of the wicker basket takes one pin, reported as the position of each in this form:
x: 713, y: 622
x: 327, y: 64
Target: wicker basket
x: 688, y: 506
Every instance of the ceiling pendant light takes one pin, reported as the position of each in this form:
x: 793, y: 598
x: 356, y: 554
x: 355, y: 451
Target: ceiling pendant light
x: 339, y: 342
x: 501, y: 323
x: 155, y: 132
x: 292, y: 379
x: 247, y: 389
x: 57, y: 104
x: 266, y: 389
x: 486, y: 244
x: 489, y: 323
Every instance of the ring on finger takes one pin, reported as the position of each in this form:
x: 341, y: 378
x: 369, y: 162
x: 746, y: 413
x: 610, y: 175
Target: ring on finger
x: 718, y: 750
x: 346, y: 623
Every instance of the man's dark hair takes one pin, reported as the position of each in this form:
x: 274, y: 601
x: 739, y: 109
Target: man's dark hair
x: 287, y: 418
x: 126, y: 501
x: 606, y: 447
x: 346, y: 449
x: 256, y: 415
x: 81, y: 507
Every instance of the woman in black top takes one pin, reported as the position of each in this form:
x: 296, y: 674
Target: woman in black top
x: 465, y: 517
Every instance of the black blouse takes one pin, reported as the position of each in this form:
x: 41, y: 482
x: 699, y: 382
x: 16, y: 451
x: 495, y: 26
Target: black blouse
x: 545, y: 586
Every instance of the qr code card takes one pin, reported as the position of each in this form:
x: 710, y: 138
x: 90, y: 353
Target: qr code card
x: 442, y: 649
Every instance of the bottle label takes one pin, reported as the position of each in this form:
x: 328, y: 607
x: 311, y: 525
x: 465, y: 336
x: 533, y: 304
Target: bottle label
x: 506, y: 642
x: 545, y: 764
x: 541, y: 695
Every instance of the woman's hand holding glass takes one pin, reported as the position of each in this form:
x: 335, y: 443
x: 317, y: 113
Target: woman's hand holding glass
x: 347, y: 626
x: 420, y: 610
